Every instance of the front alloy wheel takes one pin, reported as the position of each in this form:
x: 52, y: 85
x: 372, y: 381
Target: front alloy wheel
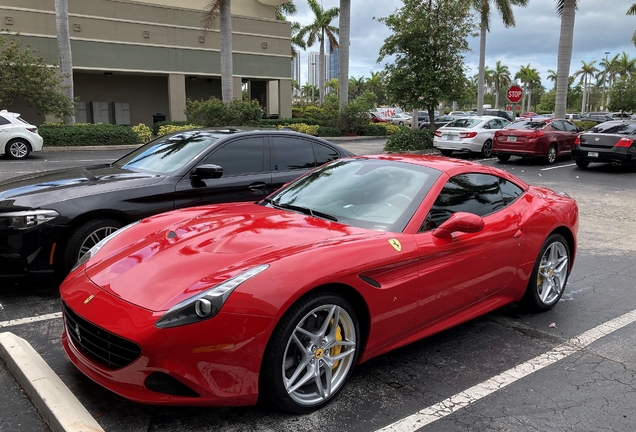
x: 311, y: 354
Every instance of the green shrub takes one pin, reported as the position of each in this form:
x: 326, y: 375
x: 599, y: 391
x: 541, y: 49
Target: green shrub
x: 410, y: 140
x: 157, y: 126
x: 213, y: 112
x: 285, y: 122
x: 144, y: 134
x: 354, y: 117
x: 86, y: 134
x: 303, y: 128
x: 584, y: 124
x: 389, y: 128
x: 373, y: 129
x: 168, y: 129
x: 328, y: 131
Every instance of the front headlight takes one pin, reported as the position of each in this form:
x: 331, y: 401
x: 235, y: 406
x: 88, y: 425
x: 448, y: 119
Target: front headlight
x: 207, y: 303
x: 93, y: 251
x: 21, y: 220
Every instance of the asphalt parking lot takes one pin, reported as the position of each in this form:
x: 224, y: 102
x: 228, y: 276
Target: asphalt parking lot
x: 569, y: 369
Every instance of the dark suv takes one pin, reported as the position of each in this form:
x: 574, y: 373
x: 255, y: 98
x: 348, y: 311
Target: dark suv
x: 498, y: 113
x: 598, y: 117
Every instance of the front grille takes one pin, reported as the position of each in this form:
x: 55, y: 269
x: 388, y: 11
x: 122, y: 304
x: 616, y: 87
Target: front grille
x: 98, y: 344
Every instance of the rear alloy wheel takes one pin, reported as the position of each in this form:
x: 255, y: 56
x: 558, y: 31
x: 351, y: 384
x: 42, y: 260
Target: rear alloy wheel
x: 447, y: 152
x: 87, y: 236
x: 550, y: 158
x: 311, y: 354
x: 18, y: 149
x: 486, y: 150
x: 549, y: 276
x: 503, y: 157
x: 582, y: 163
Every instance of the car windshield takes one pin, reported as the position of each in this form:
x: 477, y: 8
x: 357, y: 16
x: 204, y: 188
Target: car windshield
x: 614, y: 128
x: 464, y: 123
x: 166, y: 154
x: 527, y: 124
x: 366, y: 193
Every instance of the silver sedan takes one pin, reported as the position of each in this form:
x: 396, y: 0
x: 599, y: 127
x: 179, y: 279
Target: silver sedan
x: 468, y: 134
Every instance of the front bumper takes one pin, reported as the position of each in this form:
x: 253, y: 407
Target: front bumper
x: 28, y: 251
x: 217, y: 360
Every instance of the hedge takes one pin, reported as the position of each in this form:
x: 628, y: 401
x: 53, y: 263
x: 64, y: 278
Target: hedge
x: 373, y: 130
x: 274, y: 123
x: 86, y: 134
x: 410, y: 140
x: 586, y: 125
x: 157, y: 126
x: 303, y: 128
x: 168, y: 129
x: 328, y: 131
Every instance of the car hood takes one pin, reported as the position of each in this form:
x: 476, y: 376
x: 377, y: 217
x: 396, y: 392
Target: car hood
x: 156, y: 265
x: 43, y: 188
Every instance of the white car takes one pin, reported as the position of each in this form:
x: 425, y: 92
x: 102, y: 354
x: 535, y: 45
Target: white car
x: 18, y: 138
x: 468, y: 134
x: 401, y: 119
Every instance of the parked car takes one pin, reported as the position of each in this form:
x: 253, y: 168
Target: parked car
x: 597, y: 117
x: 401, y: 119
x: 458, y: 114
x: 279, y: 300
x: 18, y: 138
x: 571, y: 117
x: 378, y: 118
x: 439, y: 122
x: 621, y: 115
x: 48, y: 220
x: 529, y: 114
x: 541, y: 137
x: 498, y: 113
x: 468, y: 134
x: 610, y: 142
x: 423, y: 116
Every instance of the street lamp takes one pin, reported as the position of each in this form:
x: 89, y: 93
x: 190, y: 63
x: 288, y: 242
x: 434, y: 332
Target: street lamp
x: 604, y: 106
x: 313, y: 75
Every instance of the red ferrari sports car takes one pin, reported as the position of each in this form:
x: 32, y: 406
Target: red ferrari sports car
x: 221, y: 304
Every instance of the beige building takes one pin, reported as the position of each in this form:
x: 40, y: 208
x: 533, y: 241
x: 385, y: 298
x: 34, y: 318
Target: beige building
x: 138, y: 61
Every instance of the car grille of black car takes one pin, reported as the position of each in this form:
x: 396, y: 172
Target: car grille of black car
x: 100, y: 345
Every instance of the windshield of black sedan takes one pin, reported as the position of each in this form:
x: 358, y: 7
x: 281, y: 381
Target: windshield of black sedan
x: 166, y: 155
x: 367, y: 193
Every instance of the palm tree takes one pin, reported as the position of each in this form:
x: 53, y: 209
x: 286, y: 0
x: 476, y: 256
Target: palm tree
x: 285, y: 9
x: 566, y: 9
x: 632, y: 11
x: 588, y: 70
x: 317, y: 31
x: 221, y: 8
x: 552, y: 76
x: 374, y: 83
x: 533, y: 79
x: 483, y: 9
x: 625, y: 66
x: 333, y: 84
x: 612, y: 74
x: 357, y: 86
x: 500, y: 77
x: 345, y: 32
x: 524, y: 76
x: 64, y: 52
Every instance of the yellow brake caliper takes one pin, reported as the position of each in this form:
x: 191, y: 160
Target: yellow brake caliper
x: 336, y: 350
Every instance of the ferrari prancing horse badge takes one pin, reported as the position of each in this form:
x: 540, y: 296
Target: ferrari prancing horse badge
x: 396, y: 244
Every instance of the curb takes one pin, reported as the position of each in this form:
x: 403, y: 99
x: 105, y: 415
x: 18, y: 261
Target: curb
x: 57, y: 405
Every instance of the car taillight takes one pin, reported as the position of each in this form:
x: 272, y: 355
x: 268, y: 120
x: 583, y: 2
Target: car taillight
x: 438, y: 133
x: 577, y: 141
x: 537, y: 133
x: 624, y: 142
x: 463, y: 135
x: 34, y: 130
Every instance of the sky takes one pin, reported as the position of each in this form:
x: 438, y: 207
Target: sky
x: 600, y: 26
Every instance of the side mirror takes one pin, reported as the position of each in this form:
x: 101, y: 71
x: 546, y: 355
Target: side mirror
x: 580, y: 129
x: 462, y: 222
x: 208, y: 171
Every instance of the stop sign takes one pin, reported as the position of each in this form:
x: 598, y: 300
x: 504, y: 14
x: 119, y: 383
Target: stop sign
x: 514, y: 93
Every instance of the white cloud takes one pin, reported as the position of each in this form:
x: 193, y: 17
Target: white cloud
x: 600, y: 26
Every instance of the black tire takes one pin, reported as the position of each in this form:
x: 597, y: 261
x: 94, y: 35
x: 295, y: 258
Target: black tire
x: 549, y: 276
x: 486, y: 150
x: 503, y: 157
x: 17, y: 149
x: 582, y: 163
x: 447, y: 152
x: 85, y: 237
x: 290, y: 351
x: 401, y: 123
x: 552, y: 155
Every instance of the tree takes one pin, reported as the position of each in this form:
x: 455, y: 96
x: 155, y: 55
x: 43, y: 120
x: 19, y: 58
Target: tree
x: 64, y: 53
x: 624, y: 94
x: 333, y: 84
x: 588, y: 70
x: 632, y: 11
x: 221, y: 8
x: 625, y: 66
x: 500, y: 78
x: 285, y: 9
x: 26, y: 77
x: 483, y: 9
x: 345, y: 32
x: 422, y: 74
x: 566, y: 10
x: 317, y: 31
x: 357, y: 86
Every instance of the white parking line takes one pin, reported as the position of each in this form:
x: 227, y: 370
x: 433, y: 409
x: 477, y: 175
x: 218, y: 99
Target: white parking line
x: 28, y: 320
x: 498, y: 382
x: 557, y: 167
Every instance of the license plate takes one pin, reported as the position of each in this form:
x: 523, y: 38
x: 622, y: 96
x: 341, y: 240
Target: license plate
x: 512, y: 138
x: 592, y: 154
x: 445, y: 137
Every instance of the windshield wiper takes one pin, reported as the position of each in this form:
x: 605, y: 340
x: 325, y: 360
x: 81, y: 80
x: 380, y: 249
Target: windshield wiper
x: 304, y: 210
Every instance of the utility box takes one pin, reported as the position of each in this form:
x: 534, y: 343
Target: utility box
x: 101, y: 113
x: 122, y: 113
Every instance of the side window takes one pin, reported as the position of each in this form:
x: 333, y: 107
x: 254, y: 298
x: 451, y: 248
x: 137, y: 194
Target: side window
x: 244, y: 156
x: 471, y: 193
x: 4, y: 121
x: 493, y: 124
x: 570, y: 127
x: 509, y: 191
x: 324, y: 154
x: 557, y: 125
x: 293, y: 153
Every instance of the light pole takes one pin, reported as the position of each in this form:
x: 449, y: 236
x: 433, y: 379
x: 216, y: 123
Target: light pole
x: 604, y: 107
x: 313, y: 79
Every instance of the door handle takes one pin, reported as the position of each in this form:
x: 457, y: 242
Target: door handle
x: 257, y: 186
x: 518, y: 234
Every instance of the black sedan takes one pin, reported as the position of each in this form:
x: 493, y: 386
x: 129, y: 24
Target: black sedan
x: 48, y: 220
x: 439, y: 122
x: 610, y: 142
